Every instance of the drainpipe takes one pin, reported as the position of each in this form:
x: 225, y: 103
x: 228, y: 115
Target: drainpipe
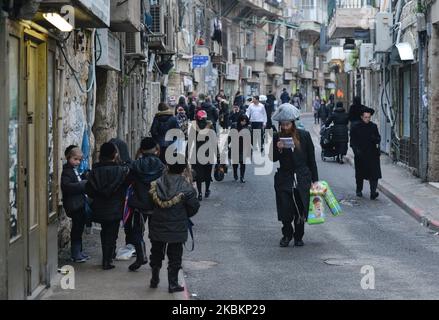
x: 60, y: 116
x: 423, y: 112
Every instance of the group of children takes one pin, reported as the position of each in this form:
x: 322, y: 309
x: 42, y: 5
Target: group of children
x: 151, y: 190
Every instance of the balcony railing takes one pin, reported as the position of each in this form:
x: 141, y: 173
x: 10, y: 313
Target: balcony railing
x: 333, y: 5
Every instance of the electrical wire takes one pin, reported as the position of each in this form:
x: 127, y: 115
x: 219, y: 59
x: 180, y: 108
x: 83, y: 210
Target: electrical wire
x: 74, y: 72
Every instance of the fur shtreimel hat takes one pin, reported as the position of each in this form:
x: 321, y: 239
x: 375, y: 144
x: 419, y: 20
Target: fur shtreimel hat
x: 286, y: 112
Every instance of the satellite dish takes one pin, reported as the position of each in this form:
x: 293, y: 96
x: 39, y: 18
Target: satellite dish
x: 405, y: 51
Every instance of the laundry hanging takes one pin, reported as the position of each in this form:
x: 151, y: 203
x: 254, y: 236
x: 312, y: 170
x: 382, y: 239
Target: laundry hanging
x: 216, y: 33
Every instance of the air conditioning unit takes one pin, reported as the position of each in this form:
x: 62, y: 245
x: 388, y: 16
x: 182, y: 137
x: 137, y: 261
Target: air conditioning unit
x: 241, y: 52
x: 232, y: 71
x: 366, y: 55
x: 110, y: 50
x: 246, y: 72
x: 158, y: 19
x: 133, y: 44
x: 384, y: 40
x: 290, y: 34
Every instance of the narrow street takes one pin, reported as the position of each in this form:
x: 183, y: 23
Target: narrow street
x: 237, y: 253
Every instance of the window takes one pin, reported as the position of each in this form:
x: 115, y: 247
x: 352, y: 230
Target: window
x: 14, y: 68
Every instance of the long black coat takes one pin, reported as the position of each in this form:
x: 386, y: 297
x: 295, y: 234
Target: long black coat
x: 340, y: 131
x: 73, y: 192
x: 107, y: 185
x: 302, y: 163
x: 365, y: 140
x: 174, y: 202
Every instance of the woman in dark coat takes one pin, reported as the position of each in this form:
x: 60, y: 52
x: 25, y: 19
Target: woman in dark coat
x: 365, y: 141
x: 203, y: 171
x: 107, y: 185
x: 298, y: 170
x: 340, y: 137
x: 242, y: 125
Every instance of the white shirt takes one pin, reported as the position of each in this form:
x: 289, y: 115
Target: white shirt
x: 256, y: 113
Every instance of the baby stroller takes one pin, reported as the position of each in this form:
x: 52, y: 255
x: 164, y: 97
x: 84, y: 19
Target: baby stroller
x: 328, y: 146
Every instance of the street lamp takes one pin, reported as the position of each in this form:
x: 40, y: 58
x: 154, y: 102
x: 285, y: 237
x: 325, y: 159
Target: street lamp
x: 59, y: 22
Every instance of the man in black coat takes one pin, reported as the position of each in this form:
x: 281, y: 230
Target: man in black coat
x: 284, y: 97
x: 365, y: 141
x: 356, y: 110
x: 292, y: 182
x: 163, y: 121
x: 340, y: 133
x: 146, y: 169
x: 107, y: 184
x: 175, y: 201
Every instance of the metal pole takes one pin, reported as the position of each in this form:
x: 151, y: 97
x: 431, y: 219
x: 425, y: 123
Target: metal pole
x: 423, y: 119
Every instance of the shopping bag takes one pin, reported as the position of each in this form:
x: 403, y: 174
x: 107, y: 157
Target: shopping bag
x: 316, y: 213
x: 331, y: 200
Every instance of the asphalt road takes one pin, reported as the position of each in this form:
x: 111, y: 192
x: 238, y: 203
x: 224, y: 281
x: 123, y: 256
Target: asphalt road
x: 237, y: 253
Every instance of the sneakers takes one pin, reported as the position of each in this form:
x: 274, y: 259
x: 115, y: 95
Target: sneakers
x: 285, y: 241
x: 242, y: 180
x: 200, y: 197
x: 207, y: 194
x: 359, y: 194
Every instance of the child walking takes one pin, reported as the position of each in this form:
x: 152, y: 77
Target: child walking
x: 175, y: 200
x: 73, y: 191
x: 107, y: 185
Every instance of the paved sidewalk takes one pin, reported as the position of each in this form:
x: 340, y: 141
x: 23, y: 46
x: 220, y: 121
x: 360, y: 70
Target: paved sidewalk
x: 420, y: 200
x: 93, y: 283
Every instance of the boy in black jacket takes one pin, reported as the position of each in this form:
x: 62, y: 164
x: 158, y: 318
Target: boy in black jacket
x: 144, y: 170
x: 107, y: 185
x: 73, y: 190
x: 174, y: 201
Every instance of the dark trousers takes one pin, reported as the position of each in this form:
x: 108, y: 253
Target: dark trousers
x: 200, y: 186
x: 297, y: 232
x: 173, y: 250
x: 316, y: 118
x: 109, y: 233
x: 373, y: 185
x: 241, y: 170
x: 78, y: 224
x: 258, y: 126
x: 135, y: 227
x: 299, y: 226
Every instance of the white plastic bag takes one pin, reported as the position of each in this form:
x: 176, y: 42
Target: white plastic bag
x: 125, y: 253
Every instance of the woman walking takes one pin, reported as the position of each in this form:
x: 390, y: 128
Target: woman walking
x: 203, y: 171
x: 294, y: 150
x: 243, y: 125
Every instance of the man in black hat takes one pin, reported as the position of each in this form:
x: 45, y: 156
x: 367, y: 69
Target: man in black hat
x: 365, y: 142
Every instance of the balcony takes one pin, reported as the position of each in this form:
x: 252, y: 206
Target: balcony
x: 264, y: 7
x: 351, y: 18
x: 310, y: 22
x: 125, y: 16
